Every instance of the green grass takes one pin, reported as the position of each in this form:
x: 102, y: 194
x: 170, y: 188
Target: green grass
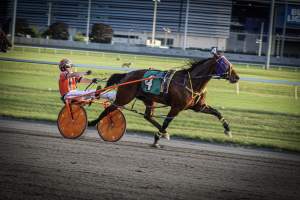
x: 263, y: 115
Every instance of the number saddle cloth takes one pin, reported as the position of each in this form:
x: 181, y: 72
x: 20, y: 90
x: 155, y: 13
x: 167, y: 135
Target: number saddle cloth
x: 159, y: 84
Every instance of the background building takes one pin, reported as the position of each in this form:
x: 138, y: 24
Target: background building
x: 250, y: 23
x: 232, y: 25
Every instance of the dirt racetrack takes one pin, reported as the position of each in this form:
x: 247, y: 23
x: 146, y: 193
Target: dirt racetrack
x: 37, y: 163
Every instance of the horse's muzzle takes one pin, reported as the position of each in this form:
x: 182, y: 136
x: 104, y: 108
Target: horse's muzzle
x: 234, y: 79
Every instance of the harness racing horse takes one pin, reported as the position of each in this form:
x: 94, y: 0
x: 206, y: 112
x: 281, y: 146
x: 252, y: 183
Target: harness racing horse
x: 186, y: 91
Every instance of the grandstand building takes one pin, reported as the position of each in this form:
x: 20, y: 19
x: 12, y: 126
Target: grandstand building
x: 231, y: 25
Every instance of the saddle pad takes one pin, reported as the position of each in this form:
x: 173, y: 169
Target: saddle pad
x: 153, y: 85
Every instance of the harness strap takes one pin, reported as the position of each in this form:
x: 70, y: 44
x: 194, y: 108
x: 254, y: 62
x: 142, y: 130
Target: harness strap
x: 195, y: 95
x: 166, y: 81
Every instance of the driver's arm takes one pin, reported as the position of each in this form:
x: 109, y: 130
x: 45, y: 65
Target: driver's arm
x: 86, y: 80
x: 78, y: 74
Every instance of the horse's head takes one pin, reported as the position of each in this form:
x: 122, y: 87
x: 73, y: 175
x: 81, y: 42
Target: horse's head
x: 223, y: 68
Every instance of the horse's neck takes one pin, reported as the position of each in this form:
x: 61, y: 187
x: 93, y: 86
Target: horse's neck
x: 202, y: 74
x: 204, y: 69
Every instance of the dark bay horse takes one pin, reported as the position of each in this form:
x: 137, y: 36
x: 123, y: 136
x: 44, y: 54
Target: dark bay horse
x: 186, y: 91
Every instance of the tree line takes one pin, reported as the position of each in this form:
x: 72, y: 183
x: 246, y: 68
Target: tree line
x: 100, y: 33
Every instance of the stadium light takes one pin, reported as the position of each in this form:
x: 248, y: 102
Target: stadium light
x: 14, y: 24
x: 88, y: 23
x: 270, y: 35
x: 154, y: 22
x: 186, y: 23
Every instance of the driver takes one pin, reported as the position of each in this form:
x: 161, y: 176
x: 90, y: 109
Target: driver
x: 68, y: 82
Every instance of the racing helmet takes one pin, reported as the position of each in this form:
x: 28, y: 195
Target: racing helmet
x: 64, y: 63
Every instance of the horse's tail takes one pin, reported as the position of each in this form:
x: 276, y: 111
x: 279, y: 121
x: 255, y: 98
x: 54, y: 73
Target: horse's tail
x: 115, y: 79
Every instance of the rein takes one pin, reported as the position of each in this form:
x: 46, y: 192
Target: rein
x: 214, y: 76
x: 143, y: 114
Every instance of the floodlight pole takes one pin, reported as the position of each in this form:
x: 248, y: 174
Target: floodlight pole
x: 49, y: 14
x: 284, y: 29
x: 14, y: 24
x: 261, y: 38
x: 186, y: 23
x: 270, y: 35
x: 154, y: 22
x: 88, y: 23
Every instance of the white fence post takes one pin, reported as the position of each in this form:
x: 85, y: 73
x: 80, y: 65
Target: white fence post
x: 296, y: 92
x: 237, y: 88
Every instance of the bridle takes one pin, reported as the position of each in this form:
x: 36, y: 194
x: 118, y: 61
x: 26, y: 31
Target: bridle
x: 223, y: 70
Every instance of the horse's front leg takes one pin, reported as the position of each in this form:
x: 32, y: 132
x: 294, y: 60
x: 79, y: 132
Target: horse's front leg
x: 204, y: 108
x: 163, y: 133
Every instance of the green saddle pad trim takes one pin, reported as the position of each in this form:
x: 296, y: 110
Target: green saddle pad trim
x: 153, y: 86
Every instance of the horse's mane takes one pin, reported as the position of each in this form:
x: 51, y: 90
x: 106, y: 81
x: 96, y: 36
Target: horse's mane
x: 194, y: 63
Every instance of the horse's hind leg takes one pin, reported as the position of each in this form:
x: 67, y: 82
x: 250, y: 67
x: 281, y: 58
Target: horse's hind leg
x: 107, y: 110
x: 148, y: 116
x: 209, y: 110
x: 124, y: 95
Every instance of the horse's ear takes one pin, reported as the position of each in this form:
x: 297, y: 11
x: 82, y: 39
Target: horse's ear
x: 214, y: 51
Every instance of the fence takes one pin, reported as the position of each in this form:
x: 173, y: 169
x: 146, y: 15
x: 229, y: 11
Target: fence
x: 152, y: 51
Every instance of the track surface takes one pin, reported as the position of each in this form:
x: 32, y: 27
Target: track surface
x: 37, y: 163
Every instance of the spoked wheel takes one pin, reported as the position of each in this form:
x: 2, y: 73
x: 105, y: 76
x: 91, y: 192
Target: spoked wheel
x: 112, y: 127
x: 72, y: 124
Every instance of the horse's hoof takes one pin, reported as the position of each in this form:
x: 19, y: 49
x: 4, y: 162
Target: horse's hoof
x: 156, y: 146
x: 228, y: 133
x: 166, y: 136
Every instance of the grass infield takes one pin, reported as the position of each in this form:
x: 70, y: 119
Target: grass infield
x: 262, y: 115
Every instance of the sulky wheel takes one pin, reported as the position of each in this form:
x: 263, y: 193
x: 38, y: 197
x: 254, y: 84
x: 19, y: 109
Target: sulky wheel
x: 72, y: 124
x: 112, y: 127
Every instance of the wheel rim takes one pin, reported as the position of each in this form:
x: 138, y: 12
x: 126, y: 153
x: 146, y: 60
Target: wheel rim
x: 112, y: 127
x: 72, y: 126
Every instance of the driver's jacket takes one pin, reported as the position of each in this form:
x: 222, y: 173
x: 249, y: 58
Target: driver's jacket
x: 67, y: 84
